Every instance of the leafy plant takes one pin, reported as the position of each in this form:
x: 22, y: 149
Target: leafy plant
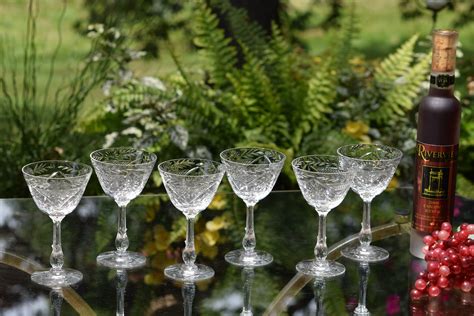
x: 277, y: 96
x: 38, y: 123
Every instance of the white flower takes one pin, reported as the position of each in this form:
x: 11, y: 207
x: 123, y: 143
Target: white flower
x: 153, y: 82
x: 132, y: 131
x: 110, y: 139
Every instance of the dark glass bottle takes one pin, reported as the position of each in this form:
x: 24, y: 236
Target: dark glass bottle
x: 439, y: 120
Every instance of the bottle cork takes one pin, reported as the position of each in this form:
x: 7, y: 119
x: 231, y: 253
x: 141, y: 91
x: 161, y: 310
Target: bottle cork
x: 444, y: 51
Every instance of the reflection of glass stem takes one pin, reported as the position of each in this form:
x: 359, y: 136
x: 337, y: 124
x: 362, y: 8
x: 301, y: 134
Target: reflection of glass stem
x: 188, y: 291
x: 121, y: 281
x: 365, y: 235
x: 121, y: 241
x: 319, y: 287
x: 249, y: 242
x: 57, y: 257
x: 364, y: 271
x: 56, y: 297
x: 247, y: 276
x: 189, y: 252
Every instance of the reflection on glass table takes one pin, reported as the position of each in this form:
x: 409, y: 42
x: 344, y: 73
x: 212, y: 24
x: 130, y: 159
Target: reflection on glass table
x: 285, y: 224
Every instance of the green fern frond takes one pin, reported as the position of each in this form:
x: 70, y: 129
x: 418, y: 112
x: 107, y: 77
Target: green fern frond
x: 243, y: 28
x: 395, y: 65
x: 348, y: 31
x: 283, y: 69
x: 253, y: 88
x: 218, y: 49
x: 399, y: 80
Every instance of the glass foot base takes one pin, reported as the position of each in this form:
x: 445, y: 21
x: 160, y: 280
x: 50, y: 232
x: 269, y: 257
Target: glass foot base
x: 361, y: 311
x: 329, y: 270
x: 179, y: 273
x: 240, y: 258
x: 366, y: 254
x: 127, y: 260
x: 62, y: 278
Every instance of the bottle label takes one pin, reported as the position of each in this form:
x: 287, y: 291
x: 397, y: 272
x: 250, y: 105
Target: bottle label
x: 442, y: 80
x: 434, y: 186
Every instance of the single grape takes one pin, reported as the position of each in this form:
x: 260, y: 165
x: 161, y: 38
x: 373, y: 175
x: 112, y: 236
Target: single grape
x: 437, y: 252
x: 444, y: 271
x: 443, y: 235
x: 428, y: 240
x: 420, y: 284
x: 466, y: 286
x: 463, y: 235
x: 454, y: 258
x: 470, y: 229
x: 423, y: 275
x: 435, y: 234
x: 434, y: 291
x: 425, y: 249
x: 445, y: 261
x: 446, y: 226
x: 432, y: 266
x: 456, y: 269
x: 432, y: 276
x: 464, y: 226
x: 464, y: 250
x: 471, y: 250
x: 415, y: 294
x: 443, y: 282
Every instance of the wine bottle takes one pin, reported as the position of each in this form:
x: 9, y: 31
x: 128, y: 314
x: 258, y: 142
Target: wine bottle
x: 439, y: 118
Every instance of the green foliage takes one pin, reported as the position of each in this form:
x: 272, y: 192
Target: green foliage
x: 146, y: 21
x: 398, y: 79
x: 37, y: 123
x: 221, y: 55
x: 261, y: 90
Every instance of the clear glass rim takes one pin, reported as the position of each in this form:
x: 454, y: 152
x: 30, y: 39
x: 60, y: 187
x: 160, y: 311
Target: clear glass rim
x: 219, y: 168
x: 282, y: 155
x: 338, y: 170
x: 398, y: 152
x: 153, y: 156
x: 83, y: 165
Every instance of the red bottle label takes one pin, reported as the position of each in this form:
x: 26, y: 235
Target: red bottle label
x: 435, y: 185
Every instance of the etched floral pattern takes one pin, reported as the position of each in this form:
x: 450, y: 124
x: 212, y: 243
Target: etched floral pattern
x: 323, y: 181
x: 123, y: 172
x: 373, y: 166
x: 252, y: 172
x: 191, y: 183
x: 56, y: 186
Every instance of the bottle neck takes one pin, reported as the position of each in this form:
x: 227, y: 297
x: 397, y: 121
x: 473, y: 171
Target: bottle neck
x: 441, y: 83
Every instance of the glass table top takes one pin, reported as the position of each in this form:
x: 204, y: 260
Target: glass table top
x: 285, y: 226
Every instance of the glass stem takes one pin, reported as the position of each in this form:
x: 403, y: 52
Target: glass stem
x: 188, y: 291
x: 248, y: 276
x: 365, y: 235
x: 364, y: 277
x: 57, y: 257
x: 121, y: 241
x: 189, y: 253
x: 321, y: 249
x: 249, y: 242
x: 122, y: 279
x: 56, y: 302
x: 319, y: 287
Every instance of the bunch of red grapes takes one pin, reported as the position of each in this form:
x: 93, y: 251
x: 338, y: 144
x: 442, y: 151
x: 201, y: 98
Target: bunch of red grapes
x: 450, y: 262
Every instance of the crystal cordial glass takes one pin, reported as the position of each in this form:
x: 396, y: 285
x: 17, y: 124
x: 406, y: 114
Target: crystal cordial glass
x: 122, y: 173
x: 373, y: 166
x: 57, y: 187
x: 324, y: 183
x: 191, y: 184
x: 252, y: 173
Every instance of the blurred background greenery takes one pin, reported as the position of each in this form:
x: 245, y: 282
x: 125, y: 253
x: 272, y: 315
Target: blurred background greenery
x: 191, y: 78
